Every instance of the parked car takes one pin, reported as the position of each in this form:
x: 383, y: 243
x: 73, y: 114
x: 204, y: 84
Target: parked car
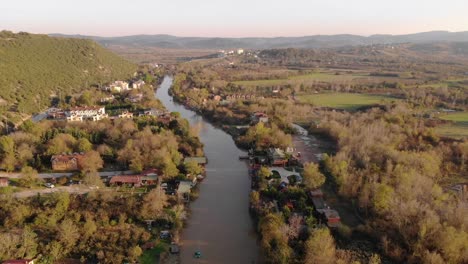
x: 165, y: 234
x: 49, y: 185
x: 174, y: 248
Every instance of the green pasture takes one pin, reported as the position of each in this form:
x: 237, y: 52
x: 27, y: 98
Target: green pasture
x: 347, y: 101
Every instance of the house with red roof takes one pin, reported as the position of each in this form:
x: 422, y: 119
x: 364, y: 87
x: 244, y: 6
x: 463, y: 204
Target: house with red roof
x: 66, y: 162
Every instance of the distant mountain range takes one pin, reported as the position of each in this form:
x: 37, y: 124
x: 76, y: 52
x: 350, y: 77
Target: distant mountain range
x: 316, y: 41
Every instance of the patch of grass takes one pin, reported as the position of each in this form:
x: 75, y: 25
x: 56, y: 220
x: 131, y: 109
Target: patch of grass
x: 456, y: 130
x: 456, y: 117
x: 459, y: 127
x: 326, y: 77
x: 151, y: 256
x: 347, y: 101
x: 263, y: 82
x: 449, y: 83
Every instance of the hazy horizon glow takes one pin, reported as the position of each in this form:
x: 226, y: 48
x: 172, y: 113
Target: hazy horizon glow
x: 217, y: 18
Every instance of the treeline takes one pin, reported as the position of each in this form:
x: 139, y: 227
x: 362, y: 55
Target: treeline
x: 393, y: 167
x: 35, y: 67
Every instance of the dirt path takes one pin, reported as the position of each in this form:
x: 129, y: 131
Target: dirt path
x: 311, y: 150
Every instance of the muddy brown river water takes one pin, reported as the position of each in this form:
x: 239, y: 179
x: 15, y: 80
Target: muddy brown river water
x: 219, y: 225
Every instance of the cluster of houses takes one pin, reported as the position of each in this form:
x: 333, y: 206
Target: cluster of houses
x: 84, y: 113
x: 241, y: 97
x: 131, y: 97
x: 151, y: 177
x: 226, y: 99
x: 96, y: 113
x: 276, y: 160
x: 121, y: 86
x: 231, y: 52
x: 78, y: 114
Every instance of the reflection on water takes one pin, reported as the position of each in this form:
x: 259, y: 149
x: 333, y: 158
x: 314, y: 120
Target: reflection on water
x: 220, y: 225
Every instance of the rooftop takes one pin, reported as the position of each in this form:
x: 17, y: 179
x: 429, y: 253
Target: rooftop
x: 67, y: 157
x: 184, y: 187
x: 135, y: 179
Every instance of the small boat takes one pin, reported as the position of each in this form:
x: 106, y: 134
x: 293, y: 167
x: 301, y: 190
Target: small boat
x: 243, y: 157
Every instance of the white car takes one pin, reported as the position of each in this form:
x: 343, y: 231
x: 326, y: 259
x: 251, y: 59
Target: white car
x: 49, y: 185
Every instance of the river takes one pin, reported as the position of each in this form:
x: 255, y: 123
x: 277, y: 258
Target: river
x: 220, y: 225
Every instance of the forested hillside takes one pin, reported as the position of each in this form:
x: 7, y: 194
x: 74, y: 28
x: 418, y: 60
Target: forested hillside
x: 35, y: 67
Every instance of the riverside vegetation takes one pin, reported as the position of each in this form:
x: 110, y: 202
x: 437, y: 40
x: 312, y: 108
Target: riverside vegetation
x: 391, y: 159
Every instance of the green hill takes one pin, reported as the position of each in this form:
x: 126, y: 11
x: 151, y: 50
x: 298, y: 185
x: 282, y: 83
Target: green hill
x: 35, y: 67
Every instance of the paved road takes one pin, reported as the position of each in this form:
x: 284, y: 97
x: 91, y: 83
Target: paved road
x: 66, y: 174
x: 71, y: 189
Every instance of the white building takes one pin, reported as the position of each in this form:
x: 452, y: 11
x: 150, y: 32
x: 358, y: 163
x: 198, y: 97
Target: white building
x: 107, y: 99
x: 126, y: 114
x: 138, y: 84
x: 93, y: 113
x: 118, y: 86
x: 240, y: 51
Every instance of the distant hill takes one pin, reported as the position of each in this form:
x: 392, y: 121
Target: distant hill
x: 317, y: 41
x: 34, y: 67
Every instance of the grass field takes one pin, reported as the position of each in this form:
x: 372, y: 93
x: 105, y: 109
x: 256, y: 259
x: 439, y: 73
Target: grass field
x: 456, y: 117
x: 347, y: 101
x: 316, y: 76
x: 458, y: 129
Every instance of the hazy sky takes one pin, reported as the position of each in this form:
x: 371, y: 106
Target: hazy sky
x: 239, y: 18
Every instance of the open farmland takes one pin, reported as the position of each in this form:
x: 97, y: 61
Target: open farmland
x: 327, y: 76
x: 316, y: 76
x: 347, y: 101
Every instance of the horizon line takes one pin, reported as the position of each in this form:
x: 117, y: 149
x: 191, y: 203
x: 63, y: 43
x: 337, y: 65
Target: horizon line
x: 233, y: 37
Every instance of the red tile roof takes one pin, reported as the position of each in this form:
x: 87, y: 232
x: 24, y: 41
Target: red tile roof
x: 135, y: 179
x: 67, y: 157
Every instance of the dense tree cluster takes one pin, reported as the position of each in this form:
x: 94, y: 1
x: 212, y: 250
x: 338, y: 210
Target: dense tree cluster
x: 100, y: 227
x: 137, y: 144
x: 394, y: 167
x: 262, y: 137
